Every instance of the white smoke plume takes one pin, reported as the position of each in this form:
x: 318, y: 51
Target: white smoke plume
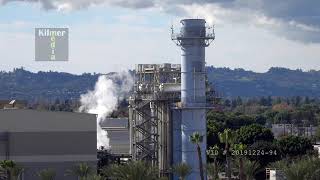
x: 104, y: 99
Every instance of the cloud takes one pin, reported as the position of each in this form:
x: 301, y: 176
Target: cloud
x: 124, y: 42
x: 291, y: 26
x: 66, y: 5
x: 293, y: 19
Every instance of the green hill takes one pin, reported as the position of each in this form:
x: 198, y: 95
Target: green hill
x: 22, y: 84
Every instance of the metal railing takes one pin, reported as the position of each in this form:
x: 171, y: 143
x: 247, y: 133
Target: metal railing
x: 208, y: 36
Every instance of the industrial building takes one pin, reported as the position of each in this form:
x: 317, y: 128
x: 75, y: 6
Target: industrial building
x: 37, y: 140
x: 118, y: 134
x: 9, y: 104
x: 280, y: 130
x: 169, y: 103
x: 156, y: 88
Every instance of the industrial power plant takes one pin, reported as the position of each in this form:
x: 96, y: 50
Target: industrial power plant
x: 159, y: 90
x: 149, y: 122
x: 169, y: 103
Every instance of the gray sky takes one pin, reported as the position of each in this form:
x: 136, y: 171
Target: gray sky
x: 110, y: 35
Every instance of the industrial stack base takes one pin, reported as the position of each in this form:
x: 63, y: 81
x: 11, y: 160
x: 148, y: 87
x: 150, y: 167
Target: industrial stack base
x: 169, y: 104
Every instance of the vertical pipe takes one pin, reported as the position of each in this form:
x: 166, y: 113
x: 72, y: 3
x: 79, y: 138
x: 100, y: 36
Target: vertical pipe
x: 176, y: 136
x: 131, y: 125
x: 151, y: 131
x: 161, y: 133
x: 193, y: 113
x: 169, y: 136
x: 165, y: 135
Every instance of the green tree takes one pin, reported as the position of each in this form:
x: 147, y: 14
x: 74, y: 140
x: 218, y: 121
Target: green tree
x: 260, y: 119
x: 47, y: 174
x: 11, y: 170
x: 240, y: 147
x: 268, y: 152
x: 213, y: 169
x: 237, y: 120
x: 295, y: 146
x: 196, y: 138
x: 239, y: 101
x: 305, y: 168
x: 249, y: 134
x: 296, y: 171
x: 15, y: 173
x: 134, y: 170
x: 3, y: 173
x: 227, y: 103
x: 182, y: 170
x: 278, y: 100
x: 82, y: 171
x: 95, y: 177
x: 233, y: 103
x: 306, y: 100
x: 318, y: 133
x: 297, y: 101
x: 283, y: 116
x: 269, y: 101
x: 250, y: 169
x: 228, y: 138
x: 263, y: 101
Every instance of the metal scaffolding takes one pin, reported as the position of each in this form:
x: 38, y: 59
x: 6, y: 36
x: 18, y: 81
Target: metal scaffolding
x: 156, y: 88
x: 155, y: 114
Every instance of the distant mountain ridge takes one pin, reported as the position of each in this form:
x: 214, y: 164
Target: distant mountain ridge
x: 275, y: 82
x: 26, y: 85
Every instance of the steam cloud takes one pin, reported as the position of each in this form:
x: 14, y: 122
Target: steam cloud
x: 104, y: 99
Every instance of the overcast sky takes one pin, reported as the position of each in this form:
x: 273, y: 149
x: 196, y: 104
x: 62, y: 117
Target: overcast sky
x: 110, y: 35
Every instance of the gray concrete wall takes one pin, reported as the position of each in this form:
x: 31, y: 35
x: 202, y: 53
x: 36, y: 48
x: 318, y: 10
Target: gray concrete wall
x: 24, y: 120
x: 52, y: 143
x: 119, y: 141
x: 38, y: 140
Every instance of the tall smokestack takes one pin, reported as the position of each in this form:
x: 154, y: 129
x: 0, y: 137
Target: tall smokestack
x: 193, y: 38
